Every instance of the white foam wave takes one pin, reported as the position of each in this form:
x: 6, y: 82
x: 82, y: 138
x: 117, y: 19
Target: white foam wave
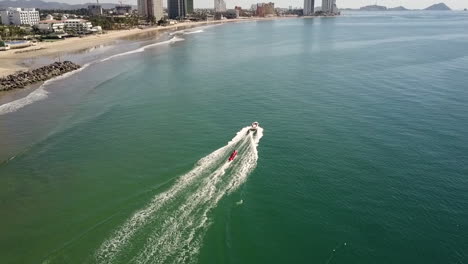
x: 193, y: 32
x: 39, y: 94
x: 172, y: 40
x: 175, y: 221
x: 176, y: 32
x: 186, y: 32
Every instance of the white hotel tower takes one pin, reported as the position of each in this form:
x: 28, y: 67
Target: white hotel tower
x: 219, y: 6
x: 18, y: 16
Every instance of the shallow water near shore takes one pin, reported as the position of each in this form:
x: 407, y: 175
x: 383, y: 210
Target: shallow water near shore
x: 361, y: 157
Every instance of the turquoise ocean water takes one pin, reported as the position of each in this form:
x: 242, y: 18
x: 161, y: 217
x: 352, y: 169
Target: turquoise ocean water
x: 362, y: 157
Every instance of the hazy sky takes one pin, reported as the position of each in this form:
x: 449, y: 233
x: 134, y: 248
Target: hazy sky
x: 412, y: 4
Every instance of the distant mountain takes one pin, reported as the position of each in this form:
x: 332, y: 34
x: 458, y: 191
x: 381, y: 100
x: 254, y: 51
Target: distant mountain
x: 48, y: 5
x: 373, y: 8
x: 34, y: 4
x: 398, y: 8
x: 438, y: 7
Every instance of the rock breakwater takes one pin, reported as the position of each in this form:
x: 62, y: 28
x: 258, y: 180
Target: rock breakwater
x: 22, y: 79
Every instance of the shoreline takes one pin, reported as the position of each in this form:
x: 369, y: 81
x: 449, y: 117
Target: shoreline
x: 12, y: 62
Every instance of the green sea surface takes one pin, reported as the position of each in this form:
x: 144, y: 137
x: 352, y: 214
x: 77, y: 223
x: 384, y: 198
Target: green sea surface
x: 363, y: 159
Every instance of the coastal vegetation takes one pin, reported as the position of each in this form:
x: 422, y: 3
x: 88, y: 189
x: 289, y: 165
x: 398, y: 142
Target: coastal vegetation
x: 115, y: 22
x: 12, y: 32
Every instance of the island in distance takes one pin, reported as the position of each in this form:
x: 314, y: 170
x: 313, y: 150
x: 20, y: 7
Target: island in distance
x: 436, y: 7
x: 439, y: 7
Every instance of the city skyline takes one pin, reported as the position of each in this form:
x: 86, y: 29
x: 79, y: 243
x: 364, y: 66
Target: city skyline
x: 454, y: 4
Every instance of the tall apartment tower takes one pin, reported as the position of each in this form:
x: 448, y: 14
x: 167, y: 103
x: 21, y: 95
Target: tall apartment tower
x: 177, y: 8
x: 329, y: 6
x: 151, y: 8
x: 219, y: 6
x: 95, y: 10
x: 309, y: 7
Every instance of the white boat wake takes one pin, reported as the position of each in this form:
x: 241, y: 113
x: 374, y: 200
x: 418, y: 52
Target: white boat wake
x: 170, y: 229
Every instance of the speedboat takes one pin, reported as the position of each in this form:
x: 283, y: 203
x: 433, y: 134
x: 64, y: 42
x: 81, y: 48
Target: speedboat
x: 233, y: 155
x: 254, y: 126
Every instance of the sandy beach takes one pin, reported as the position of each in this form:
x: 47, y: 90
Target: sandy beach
x: 11, y: 60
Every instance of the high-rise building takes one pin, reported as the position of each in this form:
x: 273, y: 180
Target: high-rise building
x: 189, y: 6
x: 309, y: 7
x: 329, y: 6
x: 219, y: 6
x: 150, y: 9
x: 177, y: 9
x: 20, y: 16
x: 95, y: 10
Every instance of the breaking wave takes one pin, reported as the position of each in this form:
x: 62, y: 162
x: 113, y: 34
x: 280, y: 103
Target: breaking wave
x: 172, y: 40
x: 41, y: 93
x: 193, y: 32
x: 170, y: 228
x: 186, y: 32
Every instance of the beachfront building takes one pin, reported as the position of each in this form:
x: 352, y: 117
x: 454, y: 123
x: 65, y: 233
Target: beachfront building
x: 177, y: 9
x: 260, y: 11
x: 150, y: 9
x: 20, y: 16
x: 238, y: 11
x: 51, y: 26
x: 265, y: 9
x: 79, y: 26
x: 123, y: 9
x: 95, y: 10
x: 219, y: 6
x: 309, y: 7
x: 329, y: 7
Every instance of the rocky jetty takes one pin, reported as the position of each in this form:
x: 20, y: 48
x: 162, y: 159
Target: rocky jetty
x: 22, y: 79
